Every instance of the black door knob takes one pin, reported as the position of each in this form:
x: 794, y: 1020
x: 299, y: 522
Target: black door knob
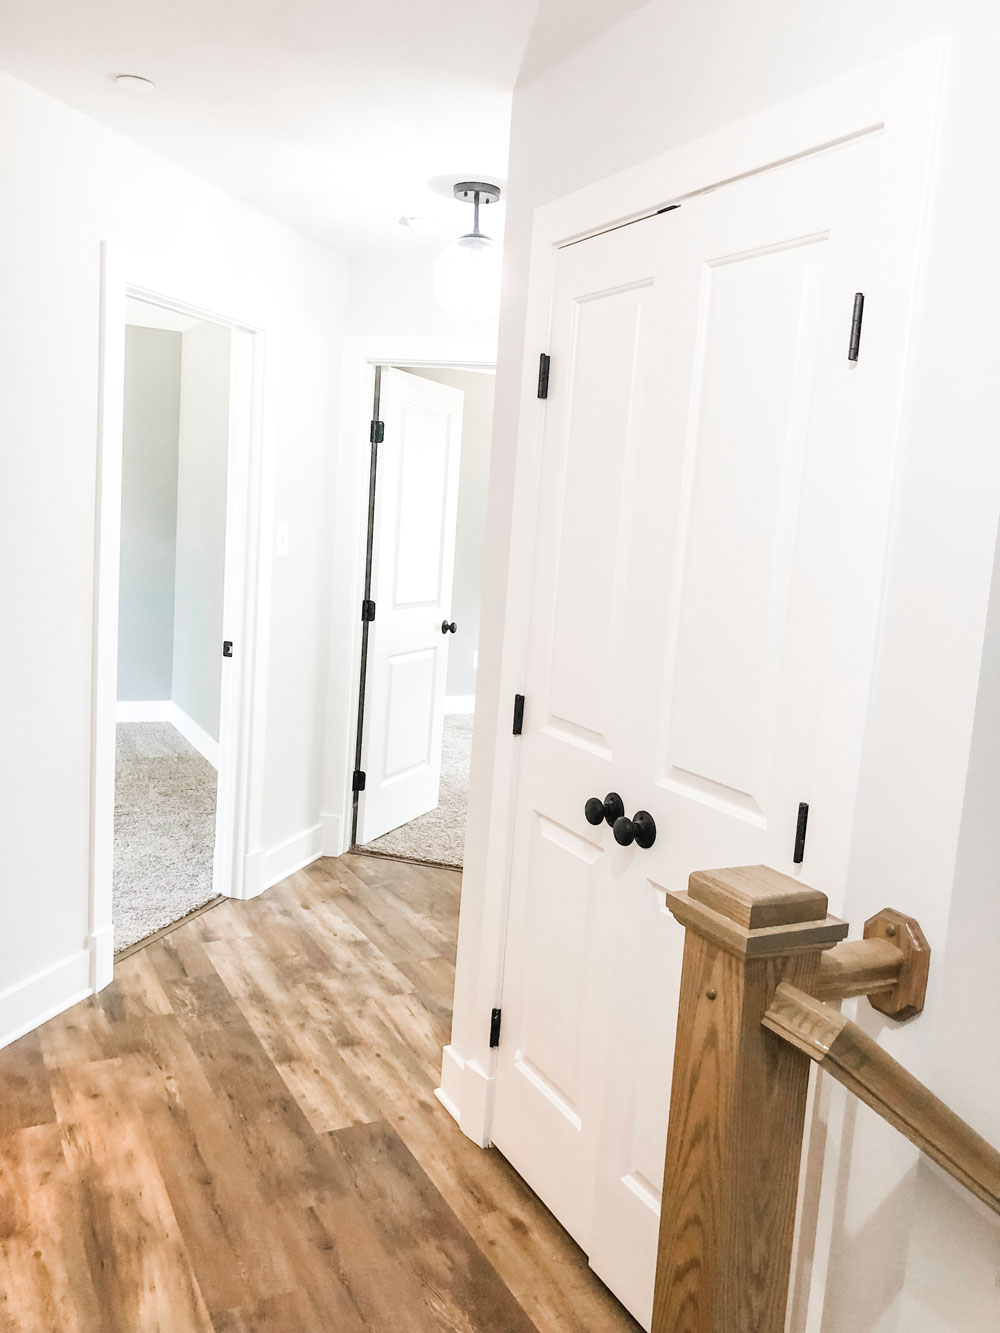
x: 608, y: 810
x: 641, y: 829
x: 448, y: 627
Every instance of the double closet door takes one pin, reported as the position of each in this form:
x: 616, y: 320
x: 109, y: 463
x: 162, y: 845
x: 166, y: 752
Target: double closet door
x: 713, y: 508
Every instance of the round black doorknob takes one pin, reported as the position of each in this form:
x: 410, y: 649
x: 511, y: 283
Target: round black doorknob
x: 448, y: 627
x: 641, y: 830
x: 608, y: 810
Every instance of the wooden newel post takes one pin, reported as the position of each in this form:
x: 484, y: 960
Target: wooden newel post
x: 737, y: 1104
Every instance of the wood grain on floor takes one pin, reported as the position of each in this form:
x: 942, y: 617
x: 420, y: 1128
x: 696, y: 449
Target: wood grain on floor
x: 240, y: 1133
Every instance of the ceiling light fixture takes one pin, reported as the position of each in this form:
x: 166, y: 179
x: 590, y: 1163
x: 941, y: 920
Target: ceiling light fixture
x: 135, y: 83
x: 467, y: 273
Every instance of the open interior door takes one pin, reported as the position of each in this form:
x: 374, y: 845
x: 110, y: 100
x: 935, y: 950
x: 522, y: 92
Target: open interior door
x: 413, y: 556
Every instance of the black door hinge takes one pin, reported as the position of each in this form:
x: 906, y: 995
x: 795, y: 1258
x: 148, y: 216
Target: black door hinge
x: 377, y: 434
x: 518, y: 714
x: 544, y: 361
x: 358, y: 783
x: 856, y: 318
x: 227, y: 647
x: 800, y: 833
x: 367, y: 610
x: 494, y: 1028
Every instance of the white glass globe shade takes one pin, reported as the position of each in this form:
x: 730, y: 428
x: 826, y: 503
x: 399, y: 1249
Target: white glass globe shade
x: 467, y: 278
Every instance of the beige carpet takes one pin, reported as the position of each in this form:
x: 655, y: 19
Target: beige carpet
x: 438, y: 836
x: 164, y: 829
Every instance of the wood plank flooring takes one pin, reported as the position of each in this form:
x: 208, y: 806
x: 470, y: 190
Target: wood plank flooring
x: 240, y: 1134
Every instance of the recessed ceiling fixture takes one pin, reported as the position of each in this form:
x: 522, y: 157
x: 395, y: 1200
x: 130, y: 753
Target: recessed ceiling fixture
x: 421, y: 226
x: 467, y: 273
x: 135, y: 83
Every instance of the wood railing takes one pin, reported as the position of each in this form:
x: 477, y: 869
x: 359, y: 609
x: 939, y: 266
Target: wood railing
x: 761, y: 957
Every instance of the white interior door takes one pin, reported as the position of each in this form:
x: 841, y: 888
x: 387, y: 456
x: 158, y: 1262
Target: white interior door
x: 701, y: 640
x: 413, y: 556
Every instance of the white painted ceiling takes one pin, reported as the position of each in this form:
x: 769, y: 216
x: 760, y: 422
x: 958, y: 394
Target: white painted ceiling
x: 331, y: 116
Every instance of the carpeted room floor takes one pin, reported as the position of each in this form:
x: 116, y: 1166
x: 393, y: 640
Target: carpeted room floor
x: 439, y: 836
x: 164, y: 830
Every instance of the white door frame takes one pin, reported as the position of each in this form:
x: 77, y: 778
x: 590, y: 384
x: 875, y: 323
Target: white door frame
x: 350, y: 523
x: 900, y: 98
x: 245, y: 620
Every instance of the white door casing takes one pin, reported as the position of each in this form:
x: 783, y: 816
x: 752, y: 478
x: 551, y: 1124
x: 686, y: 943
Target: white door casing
x: 416, y: 509
x: 701, y: 638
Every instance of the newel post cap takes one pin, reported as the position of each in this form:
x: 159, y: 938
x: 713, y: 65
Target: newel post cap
x: 757, y: 912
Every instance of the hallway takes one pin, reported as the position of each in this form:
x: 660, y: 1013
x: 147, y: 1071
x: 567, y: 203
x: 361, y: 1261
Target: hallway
x: 240, y: 1133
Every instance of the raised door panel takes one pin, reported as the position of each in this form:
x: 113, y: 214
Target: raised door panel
x: 551, y: 1048
x: 756, y: 338
x: 410, y: 713
x: 421, y: 502
x: 589, y: 520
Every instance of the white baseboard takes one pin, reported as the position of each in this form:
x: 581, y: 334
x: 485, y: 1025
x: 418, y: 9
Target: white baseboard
x: 198, y: 736
x: 460, y: 703
x: 38, y: 998
x: 165, y: 710
x: 265, y: 869
x: 102, y: 957
x: 466, y: 1093
x: 331, y: 839
x: 143, y: 710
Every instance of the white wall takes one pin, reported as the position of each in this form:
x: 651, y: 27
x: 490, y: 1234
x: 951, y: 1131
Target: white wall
x: 392, y: 296
x: 203, y: 452
x: 69, y: 184
x: 907, y: 1252
x: 470, y: 532
x: 149, y: 513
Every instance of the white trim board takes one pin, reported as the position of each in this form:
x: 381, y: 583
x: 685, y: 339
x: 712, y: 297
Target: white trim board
x: 460, y: 703
x: 143, y: 710
x: 40, y: 997
x: 165, y: 710
x: 264, y: 869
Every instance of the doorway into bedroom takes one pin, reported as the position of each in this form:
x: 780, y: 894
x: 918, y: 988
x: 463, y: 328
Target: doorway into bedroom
x: 420, y: 649
x: 175, y: 466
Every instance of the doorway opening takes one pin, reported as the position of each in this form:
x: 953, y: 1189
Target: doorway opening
x: 429, y: 473
x: 180, y: 584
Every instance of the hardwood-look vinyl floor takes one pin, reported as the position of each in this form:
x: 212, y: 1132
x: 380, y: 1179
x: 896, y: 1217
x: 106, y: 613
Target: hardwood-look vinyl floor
x: 240, y: 1133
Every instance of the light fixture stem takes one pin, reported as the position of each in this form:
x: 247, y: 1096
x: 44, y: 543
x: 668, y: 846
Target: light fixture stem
x: 475, y: 216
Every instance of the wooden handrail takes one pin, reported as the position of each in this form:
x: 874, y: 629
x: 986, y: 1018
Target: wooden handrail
x: 857, y: 967
x: 854, y: 1059
x: 760, y: 950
